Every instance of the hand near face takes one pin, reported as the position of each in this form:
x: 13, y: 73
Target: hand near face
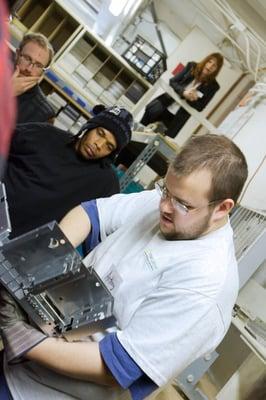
x: 190, y: 94
x: 21, y: 83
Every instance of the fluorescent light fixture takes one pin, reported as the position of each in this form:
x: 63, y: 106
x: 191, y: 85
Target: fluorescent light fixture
x: 117, y: 6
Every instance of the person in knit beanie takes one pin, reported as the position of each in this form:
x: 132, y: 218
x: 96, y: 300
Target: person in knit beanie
x: 49, y: 171
x: 117, y: 120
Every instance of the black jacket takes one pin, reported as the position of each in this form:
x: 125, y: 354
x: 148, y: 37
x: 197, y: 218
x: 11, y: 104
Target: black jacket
x: 179, y: 83
x: 45, y: 177
x: 32, y: 106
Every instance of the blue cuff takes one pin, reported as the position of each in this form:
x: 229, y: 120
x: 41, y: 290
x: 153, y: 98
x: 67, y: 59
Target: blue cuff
x: 94, y: 237
x: 124, y: 369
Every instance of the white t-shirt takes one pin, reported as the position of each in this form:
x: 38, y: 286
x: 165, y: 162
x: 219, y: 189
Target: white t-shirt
x: 172, y: 299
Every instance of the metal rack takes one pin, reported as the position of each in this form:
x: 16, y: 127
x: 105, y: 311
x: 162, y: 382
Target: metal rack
x: 146, y: 59
x: 249, y: 238
x: 156, y: 143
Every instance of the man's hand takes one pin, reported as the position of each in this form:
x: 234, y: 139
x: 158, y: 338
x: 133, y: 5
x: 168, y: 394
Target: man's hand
x: 21, y: 84
x: 190, y: 94
x: 18, y: 336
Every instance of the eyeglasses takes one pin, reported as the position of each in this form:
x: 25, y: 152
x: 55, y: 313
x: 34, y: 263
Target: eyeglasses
x: 178, y: 206
x: 28, y: 61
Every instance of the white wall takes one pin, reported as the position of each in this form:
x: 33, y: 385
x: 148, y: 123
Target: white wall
x: 246, y: 127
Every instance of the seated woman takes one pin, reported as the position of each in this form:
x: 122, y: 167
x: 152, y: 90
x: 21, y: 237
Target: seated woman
x: 196, y: 84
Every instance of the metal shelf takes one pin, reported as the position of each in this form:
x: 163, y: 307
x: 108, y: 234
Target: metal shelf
x: 155, y: 143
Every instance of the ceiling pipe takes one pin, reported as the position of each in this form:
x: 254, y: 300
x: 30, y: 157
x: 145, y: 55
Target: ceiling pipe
x: 155, y: 19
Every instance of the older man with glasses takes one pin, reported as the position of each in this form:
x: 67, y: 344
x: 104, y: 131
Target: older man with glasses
x: 168, y: 259
x: 33, y: 57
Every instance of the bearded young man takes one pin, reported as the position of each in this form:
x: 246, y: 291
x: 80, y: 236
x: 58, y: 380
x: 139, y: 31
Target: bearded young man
x: 167, y: 256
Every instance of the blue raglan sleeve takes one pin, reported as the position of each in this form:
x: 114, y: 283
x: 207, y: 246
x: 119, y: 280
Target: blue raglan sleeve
x: 94, y: 237
x: 124, y: 369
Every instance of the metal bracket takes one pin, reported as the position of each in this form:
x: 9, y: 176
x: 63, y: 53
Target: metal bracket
x: 157, y: 143
x: 187, y: 380
x: 5, y: 225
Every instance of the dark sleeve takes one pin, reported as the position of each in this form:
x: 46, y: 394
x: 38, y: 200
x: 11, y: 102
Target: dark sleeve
x: 28, y: 136
x: 19, y: 138
x: 113, y: 183
x: 94, y: 237
x: 208, y: 92
x: 177, y: 81
x: 35, y: 138
x: 47, y: 110
x: 33, y: 106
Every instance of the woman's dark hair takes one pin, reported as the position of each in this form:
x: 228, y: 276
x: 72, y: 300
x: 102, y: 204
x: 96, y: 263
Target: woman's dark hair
x: 197, y: 70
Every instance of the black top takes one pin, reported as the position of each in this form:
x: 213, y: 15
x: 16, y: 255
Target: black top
x: 179, y: 83
x: 32, y: 106
x: 156, y: 110
x: 184, y: 78
x: 45, y: 177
